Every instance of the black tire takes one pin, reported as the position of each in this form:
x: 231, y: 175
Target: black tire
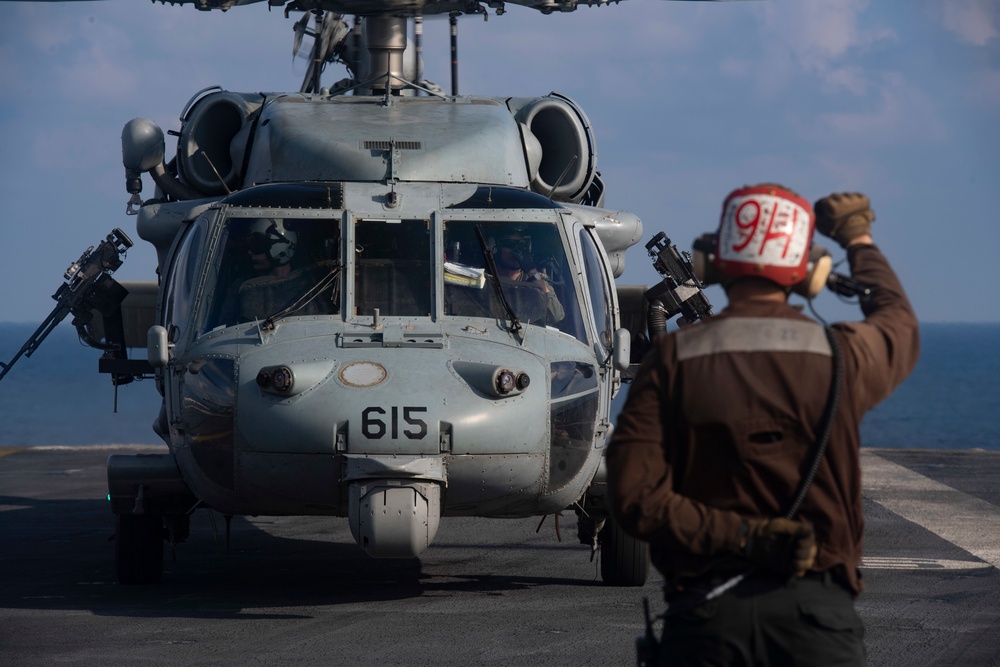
x: 139, y: 548
x: 624, y: 559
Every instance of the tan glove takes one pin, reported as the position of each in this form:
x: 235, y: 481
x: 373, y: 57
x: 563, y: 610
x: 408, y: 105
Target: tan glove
x: 782, y: 546
x: 844, y: 216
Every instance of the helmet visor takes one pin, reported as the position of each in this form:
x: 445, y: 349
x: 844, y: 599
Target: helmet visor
x: 260, y: 244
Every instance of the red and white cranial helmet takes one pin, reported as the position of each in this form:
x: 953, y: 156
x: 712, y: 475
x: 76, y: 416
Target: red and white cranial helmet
x: 765, y: 232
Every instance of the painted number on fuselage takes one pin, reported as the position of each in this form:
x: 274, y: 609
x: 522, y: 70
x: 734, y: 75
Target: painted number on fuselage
x: 375, y: 426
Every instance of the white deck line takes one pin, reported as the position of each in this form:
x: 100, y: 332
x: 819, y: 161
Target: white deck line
x: 965, y: 521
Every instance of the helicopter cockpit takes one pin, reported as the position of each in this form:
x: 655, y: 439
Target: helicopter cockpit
x: 297, y: 271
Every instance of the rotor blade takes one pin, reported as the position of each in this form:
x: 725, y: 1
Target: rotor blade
x: 403, y: 8
x: 202, y: 4
x: 300, y: 29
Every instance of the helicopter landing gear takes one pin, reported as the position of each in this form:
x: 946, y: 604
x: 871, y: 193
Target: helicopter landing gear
x: 624, y: 559
x: 139, y: 548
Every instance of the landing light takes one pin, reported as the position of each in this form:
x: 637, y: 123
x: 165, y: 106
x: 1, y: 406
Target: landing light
x: 505, y: 381
x: 283, y: 379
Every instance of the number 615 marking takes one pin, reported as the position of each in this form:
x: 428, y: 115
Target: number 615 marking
x: 374, y: 427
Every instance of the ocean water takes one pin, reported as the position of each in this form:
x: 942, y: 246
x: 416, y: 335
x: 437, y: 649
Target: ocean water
x: 952, y: 399
x: 56, y: 397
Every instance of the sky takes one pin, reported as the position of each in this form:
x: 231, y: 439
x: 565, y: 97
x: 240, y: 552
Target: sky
x: 688, y: 101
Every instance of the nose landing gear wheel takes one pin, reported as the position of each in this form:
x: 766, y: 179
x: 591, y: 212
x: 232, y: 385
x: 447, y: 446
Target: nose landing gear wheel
x: 624, y: 559
x: 139, y: 548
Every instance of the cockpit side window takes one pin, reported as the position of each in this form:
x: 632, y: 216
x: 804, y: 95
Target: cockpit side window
x: 532, y: 267
x: 265, y: 266
x: 598, y: 286
x: 183, y: 280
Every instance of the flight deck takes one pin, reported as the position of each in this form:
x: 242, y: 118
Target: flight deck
x: 297, y: 590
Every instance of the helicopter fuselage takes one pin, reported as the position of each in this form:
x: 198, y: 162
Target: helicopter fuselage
x: 437, y: 336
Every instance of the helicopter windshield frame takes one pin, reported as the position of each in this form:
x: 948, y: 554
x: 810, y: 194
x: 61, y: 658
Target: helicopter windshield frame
x: 406, y: 272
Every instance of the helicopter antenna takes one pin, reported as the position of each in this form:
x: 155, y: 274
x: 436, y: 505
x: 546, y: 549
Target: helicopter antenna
x: 453, y: 20
x: 216, y: 172
x: 418, y: 47
x: 562, y: 176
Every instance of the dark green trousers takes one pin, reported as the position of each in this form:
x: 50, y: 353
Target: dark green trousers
x: 803, y: 622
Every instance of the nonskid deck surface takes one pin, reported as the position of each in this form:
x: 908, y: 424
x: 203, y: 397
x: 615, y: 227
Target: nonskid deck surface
x: 489, y: 592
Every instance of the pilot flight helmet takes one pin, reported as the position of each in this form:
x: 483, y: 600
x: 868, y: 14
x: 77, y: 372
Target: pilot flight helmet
x: 514, y: 237
x: 765, y: 232
x: 268, y: 236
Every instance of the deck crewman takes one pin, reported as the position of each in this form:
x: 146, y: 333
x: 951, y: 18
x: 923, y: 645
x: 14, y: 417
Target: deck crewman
x: 711, y: 458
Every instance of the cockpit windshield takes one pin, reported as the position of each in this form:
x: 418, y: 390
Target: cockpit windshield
x: 532, y: 268
x: 273, y: 267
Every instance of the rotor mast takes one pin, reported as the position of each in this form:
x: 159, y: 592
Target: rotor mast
x: 374, y: 52
x: 385, y: 37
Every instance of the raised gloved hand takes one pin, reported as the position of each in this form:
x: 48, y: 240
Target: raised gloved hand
x: 782, y: 546
x: 844, y: 216
x: 527, y: 262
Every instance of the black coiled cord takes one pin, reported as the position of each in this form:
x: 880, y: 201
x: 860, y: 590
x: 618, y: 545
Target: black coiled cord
x: 832, y: 400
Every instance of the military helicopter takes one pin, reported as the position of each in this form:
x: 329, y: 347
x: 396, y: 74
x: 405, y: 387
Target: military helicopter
x: 375, y: 301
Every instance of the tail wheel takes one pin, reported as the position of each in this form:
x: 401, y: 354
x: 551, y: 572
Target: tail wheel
x: 139, y: 548
x: 624, y: 559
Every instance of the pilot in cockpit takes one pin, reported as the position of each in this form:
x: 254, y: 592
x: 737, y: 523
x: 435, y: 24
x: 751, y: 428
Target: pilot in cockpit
x: 515, y: 263
x: 277, y: 286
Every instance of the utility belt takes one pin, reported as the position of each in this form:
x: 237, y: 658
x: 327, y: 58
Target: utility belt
x: 750, y: 582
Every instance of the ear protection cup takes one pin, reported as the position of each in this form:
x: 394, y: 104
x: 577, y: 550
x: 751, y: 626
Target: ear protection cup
x: 703, y: 257
x: 817, y: 271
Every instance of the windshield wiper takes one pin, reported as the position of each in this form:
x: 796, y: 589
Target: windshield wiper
x: 491, y: 266
x: 330, y: 279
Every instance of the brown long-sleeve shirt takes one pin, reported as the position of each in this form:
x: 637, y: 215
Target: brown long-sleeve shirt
x: 722, y: 419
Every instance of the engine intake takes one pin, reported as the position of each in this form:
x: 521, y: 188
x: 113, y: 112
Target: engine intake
x: 562, y: 160
x: 207, y: 157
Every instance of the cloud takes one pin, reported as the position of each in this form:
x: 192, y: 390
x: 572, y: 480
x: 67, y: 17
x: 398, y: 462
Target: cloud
x: 823, y: 39
x: 985, y: 89
x: 10, y: 75
x: 901, y: 113
x: 855, y: 173
x: 852, y: 79
x: 82, y: 56
x: 973, y: 21
x: 820, y: 32
x: 75, y: 148
x: 98, y: 72
x: 32, y: 28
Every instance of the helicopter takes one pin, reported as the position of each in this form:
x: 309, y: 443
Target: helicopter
x: 375, y: 301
